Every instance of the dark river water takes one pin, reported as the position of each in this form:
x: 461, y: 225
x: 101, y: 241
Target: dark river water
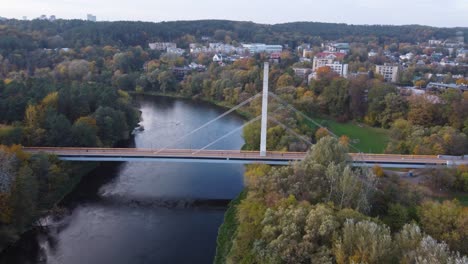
x: 146, y: 212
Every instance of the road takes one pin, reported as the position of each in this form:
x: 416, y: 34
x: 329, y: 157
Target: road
x: 229, y: 156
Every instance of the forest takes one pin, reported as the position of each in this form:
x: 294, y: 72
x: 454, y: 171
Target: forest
x: 321, y: 210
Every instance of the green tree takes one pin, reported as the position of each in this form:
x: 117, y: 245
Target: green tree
x: 24, y: 197
x: 447, y: 221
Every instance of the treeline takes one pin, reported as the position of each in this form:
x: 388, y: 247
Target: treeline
x: 323, y: 211
x: 79, y: 114
x: 78, y: 33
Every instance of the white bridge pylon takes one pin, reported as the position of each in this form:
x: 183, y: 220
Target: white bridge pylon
x: 263, y: 131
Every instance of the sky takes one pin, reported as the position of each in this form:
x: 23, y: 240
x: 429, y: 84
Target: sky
x: 441, y: 13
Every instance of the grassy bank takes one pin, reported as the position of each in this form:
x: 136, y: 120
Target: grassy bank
x: 227, y: 230
x: 367, y: 139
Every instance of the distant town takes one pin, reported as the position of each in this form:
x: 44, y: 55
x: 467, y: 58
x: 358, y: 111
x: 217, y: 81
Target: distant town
x: 429, y: 66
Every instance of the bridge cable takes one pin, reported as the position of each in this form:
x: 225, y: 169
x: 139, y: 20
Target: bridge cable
x: 360, y: 154
x: 211, y: 121
x: 228, y: 134
x: 283, y: 102
x: 290, y: 130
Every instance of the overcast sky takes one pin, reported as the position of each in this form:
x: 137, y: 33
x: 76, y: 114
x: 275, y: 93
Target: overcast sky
x: 443, y: 13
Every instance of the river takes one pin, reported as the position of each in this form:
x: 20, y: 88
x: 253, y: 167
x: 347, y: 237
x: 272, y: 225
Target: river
x: 145, y: 212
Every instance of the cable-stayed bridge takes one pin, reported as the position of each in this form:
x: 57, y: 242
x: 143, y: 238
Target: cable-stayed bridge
x: 168, y: 154
x: 236, y: 156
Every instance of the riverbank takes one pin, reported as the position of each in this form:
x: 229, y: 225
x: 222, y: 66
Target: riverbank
x: 227, y: 230
x: 78, y: 171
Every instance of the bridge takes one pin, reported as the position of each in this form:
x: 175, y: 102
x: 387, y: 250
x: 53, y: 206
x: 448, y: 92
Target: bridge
x: 236, y: 156
x: 166, y: 154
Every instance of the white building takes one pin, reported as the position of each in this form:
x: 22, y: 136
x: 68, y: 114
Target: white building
x: 302, y: 72
x: 462, y: 53
x: 388, y: 71
x: 337, y: 67
x: 175, y: 51
x: 324, y: 58
x: 162, y: 46
x: 91, y: 17
x: 336, y: 47
x: 260, y: 47
x: 407, y: 56
x: 219, y: 58
x: 435, y: 42
x: 372, y: 53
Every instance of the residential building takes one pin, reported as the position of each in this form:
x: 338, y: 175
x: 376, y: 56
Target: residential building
x: 462, y: 53
x: 407, y: 56
x: 3, y: 19
x: 388, y: 71
x: 435, y: 42
x: 324, y: 58
x: 197, y: 67
x: 91, y: 17
x: 219, y: 58
x: 337, y: 47
x: 302, y: 72
x: 162, y: 46
x: 175, y: 51
x: 338, y: 67
x: 307, y: 53
x: 372, y: 53
x: 275, y: 55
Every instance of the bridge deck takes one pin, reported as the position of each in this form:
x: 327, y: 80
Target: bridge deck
x: 234, y: 156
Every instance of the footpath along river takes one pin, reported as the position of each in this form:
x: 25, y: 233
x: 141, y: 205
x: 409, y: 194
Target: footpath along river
x: 145, y: 212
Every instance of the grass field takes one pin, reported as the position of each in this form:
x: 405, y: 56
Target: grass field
x: 366, y: 139
x: 463, y: 198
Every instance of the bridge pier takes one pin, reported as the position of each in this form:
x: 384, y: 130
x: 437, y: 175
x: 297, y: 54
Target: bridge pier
x: 263, y: 132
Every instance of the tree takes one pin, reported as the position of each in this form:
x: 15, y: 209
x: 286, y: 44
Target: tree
x: 421, y: 111
x: 321, y: 133
x: 84, y: 132
x: 326, y: 151
x: 78, y: 69
x: 166, y: 80
x: 297, y: 233
x: 58, y: 129
x: 363, y: 242
x: 447, y: 221
x: 284, y: 81
x: 7, y: 170
x: 395, y: 108
x: 376, y: 99
x: 112, y: 125
x: 24, y: 197
x: 335, y: 98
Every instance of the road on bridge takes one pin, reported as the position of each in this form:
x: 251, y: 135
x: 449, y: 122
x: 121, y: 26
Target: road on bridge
x: 272, y: 157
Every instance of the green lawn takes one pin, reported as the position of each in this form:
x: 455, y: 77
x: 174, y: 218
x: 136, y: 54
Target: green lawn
x: 463, y: 198
x: 366, y: 139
